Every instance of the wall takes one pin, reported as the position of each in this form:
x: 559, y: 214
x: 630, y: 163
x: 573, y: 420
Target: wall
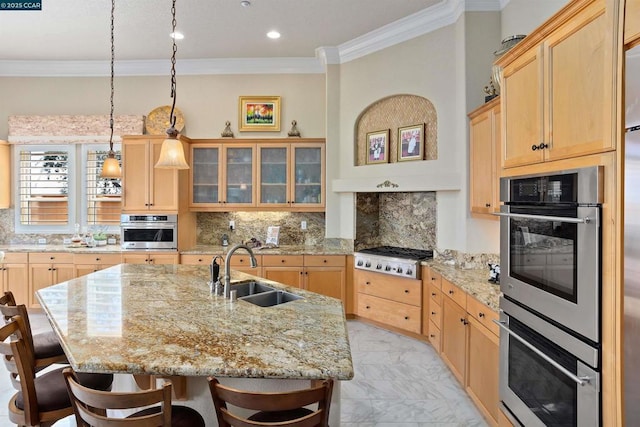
x: 524, y: 16
x: 206, y: 101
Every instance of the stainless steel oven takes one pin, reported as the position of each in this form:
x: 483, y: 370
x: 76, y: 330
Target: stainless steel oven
x: 547, y: 376
x: 149, y: 231
x: 550, y: 246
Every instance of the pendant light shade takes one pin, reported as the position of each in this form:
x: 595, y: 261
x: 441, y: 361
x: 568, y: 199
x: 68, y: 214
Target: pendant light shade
x: 111, y: 167
x: 172, y: 152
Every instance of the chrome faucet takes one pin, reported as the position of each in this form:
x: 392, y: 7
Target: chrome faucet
x: 227, y: 268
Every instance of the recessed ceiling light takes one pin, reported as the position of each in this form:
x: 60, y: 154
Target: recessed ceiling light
x: 245, y: 3
x: 273, y: 34
x: 177, y: 35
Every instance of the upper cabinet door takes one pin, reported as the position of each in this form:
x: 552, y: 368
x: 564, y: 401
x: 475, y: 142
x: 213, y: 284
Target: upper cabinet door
x: 239, y: 173
x: 135, y: 175
x: 206, y: 175
x: 632, y: 23
x: 273, y: 172
x: 307, y: 175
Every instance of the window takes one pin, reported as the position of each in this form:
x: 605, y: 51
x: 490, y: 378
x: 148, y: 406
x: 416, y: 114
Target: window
x: 103, y: 196
x: 45, y: 188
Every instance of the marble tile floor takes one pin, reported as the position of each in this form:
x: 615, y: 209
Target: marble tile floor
x: 399, y: 382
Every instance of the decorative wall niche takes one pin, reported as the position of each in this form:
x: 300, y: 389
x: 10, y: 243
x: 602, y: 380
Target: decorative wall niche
x: 394, y: 112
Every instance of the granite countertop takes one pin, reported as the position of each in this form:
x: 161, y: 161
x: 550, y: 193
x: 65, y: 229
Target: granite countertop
x: 472, y: 281
x: 196, y: 250
x: 162, y: 319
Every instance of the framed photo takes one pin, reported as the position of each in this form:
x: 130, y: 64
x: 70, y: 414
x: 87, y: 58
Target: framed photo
x: 259, y: 113
x: 378, y: 147
x: 411, y: 142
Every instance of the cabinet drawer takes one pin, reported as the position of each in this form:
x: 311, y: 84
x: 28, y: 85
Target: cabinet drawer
x: 434, y: 336
x: 280, y: 260
x: 455, y: 293
x: 99, y: 259
x: 435, y: 294
x: 435, y: 314
x: 406, y: 291
x: 483, y: 314
x: 243, y: 260
x: 14, y: 258
x: 51, y: 257
x: 324, y: 261
x: 391, y: 313
x: 434, y: 279
x: 197, y: 259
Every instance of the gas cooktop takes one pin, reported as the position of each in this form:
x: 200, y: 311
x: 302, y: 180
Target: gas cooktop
x: 396, y: 261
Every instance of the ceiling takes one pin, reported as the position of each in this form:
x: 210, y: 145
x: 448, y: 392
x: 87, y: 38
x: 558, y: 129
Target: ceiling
x: 78, y: 30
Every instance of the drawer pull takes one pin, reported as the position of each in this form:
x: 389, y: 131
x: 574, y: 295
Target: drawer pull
x: 406, y: 291
x: 431, y: 336
x: 433, y: 294
x: 481, y: 314
x: 282, y: 260
x: 367, y: 307
x: 450, y: 291
x: 406, y: 317
x: 199, y: 259
x: 367, y: 283
x: 433, y: 313
x: 97, y: 259
x: 52, y: 257
x: 324, y: 260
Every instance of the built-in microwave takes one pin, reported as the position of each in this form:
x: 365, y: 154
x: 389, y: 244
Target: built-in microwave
x: 550, y: 249
x: 149, y: 231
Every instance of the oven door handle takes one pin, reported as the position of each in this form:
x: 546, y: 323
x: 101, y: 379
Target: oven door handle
x: 579, y: 380
x: 584, y: 220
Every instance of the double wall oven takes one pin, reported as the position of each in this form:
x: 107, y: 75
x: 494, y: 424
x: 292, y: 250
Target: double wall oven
x: 550, y: 252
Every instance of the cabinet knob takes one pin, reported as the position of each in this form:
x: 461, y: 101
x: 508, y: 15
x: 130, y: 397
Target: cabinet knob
x: 481, y: 314
x: 462, y: 321
x: 433, y: 313
x: 50, y: 269
x: 97, y: 259
x: 451, y: 292
x: 433, y: 279
x: 487, y: 205
x: 534, y: 147
x: 241, y: 260
x: 282, y: 261
x: 406, y: 291
x: 52, y: 257
x: 406, y: 317
x: 431, y: 336
x: 324, y: 260
x: 199, y: 259
x: 433, y: 294
x: 367, y: 307
x: 367, y: 283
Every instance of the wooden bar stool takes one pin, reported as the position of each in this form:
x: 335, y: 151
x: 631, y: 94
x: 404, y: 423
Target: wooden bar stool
x: 90, y: 407
x: 41, y: 400
x: 274, y: 409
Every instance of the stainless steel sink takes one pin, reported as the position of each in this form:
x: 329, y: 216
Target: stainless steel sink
x: 244, y: 289
x: 269, y: 299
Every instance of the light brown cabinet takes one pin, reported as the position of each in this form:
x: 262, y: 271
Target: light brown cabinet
x: 556, y: 94
x: 454, y: 335
x: 47, y: 269
x: 150, y: 258
x: 273, y: 174
x: 90, y: 263
x: 145, y: 188
x: 632, y: 23
x: 484, y: 159
x: 285, y: 269
x: 14, y: 276
x: 393, y: 301
x: 5, y: 175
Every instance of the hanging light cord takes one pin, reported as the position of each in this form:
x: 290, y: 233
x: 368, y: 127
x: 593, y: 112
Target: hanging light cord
x: 172, y: 118
x: 113, y: 8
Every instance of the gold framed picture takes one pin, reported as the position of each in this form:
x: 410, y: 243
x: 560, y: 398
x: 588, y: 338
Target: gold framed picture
x: 259, y: 113
x: 378, y: 147
x: 411, y: 143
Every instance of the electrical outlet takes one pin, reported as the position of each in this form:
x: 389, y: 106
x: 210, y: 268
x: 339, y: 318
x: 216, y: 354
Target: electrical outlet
x: 303, y: 225
x: 232, y: 225
x: 42, y: 241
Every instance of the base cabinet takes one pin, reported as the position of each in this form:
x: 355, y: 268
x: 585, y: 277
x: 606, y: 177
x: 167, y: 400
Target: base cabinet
x: 151, y: 258
x: 390, y: 300
x: 90, y: 263
x: 14, y: 276
x: 454, y: 337
x: 47, y: 269
x: 482, y: 369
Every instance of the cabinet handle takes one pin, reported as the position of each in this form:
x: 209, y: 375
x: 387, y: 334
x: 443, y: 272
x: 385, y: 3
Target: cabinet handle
x: 241, y: 260
x: 487, y: 205
x: 52, y: 257
x: 406, y: 291
x: 301, y: 273
x: 433, y: 313
x: 481, y: 314
x: 431, y: 336
x: 543, y: 145
x: 406, y: 317
x: 534, y: 147
x: 54, y: 269
x: 433, y: 279
x: 97, y: 259
x: 367, y: 283
x: 450, y: 291
x: 199, y: 259
x: 433, y: 294
x: 463, y: 321
x: 306, y: 273
x: 282, y: 261
x: 50, y: 269
x: 367, y: 307
x: 324, y: 260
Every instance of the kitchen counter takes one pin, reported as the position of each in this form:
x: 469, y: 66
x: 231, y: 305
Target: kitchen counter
x: 280, y: 250
x: 472, y: 281
x: 62, y: 248
x: 162, y: 319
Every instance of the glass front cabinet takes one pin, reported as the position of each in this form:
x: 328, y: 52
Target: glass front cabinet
x: 258, y: 175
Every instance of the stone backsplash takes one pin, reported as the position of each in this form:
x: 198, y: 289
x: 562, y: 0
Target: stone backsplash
x: 396, y: 219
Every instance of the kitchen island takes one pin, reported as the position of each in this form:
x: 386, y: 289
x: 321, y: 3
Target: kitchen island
x: 163, y: 320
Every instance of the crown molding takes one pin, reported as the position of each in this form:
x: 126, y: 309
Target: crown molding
x: 442, y: 14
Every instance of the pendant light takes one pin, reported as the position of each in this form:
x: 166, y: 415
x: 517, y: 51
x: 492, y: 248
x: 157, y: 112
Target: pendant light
x: 172, y: 152
x: 111, y: 167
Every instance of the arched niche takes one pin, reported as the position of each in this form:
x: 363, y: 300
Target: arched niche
x: 394, y: 112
